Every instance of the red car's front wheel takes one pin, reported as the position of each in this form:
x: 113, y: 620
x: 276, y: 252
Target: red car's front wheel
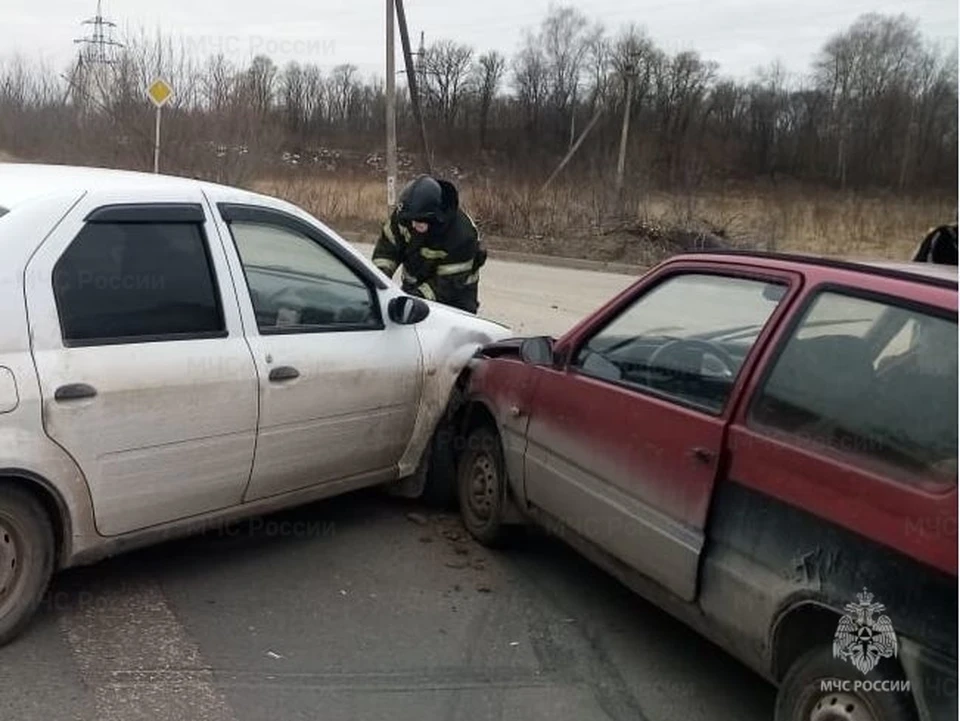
x: 482, y: 487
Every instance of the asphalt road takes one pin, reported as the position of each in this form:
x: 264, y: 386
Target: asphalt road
x: 368, y: 608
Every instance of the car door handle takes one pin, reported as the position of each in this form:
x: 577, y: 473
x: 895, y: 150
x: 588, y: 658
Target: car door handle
x: 703, y: 455
x: 284, y: 373
x: 74, y: 391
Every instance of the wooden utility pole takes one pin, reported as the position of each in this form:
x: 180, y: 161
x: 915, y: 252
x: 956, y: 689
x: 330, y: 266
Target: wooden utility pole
x: 573, y: 119
x: 905, y: 161
x: 391, y: 111
x: 421, y: 66
x: 631, y: 72
x: 576, y: 146
x: 412, y: 85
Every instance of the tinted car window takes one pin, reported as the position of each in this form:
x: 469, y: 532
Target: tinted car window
x: 686, y: 339
x: 871, y: 382
x: 130, y: 281
x: 297, y: 284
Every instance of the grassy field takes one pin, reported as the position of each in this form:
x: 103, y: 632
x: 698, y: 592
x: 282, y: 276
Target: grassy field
x: 580, y: 220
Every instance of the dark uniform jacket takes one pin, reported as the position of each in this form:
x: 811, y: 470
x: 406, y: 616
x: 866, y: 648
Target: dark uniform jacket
x: 441, y: 265
x: 939, y: 246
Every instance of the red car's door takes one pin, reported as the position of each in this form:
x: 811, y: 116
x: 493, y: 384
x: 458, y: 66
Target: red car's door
x: 855, y: 419
x: 624, y: 439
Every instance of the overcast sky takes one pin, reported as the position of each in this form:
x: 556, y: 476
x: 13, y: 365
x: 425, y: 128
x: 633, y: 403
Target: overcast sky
x: 739, y: 34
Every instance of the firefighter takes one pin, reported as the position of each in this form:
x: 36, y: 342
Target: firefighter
x: 434, y: 242
x: 939, y: 246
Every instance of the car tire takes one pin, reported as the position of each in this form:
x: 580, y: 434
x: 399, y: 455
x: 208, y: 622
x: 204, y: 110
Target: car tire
x: 482, y: 488
x: 801, y: 697
x: 26, y: 559
x: 440, y: 485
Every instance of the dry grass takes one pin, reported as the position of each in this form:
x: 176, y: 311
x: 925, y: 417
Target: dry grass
x: 580, y: 220
x: 354, y: 203
x: 820, y: 222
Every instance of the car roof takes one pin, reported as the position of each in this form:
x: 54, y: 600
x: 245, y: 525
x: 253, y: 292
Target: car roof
x: 21, y: 182
x: 929, y: 270
x: 927, y: 273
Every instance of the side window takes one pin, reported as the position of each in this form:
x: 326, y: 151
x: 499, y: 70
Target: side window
x: 133, y: 282
x: 899, y: 345
x: 869, y: 382
x: 686, y: 339
x: 297, y: 285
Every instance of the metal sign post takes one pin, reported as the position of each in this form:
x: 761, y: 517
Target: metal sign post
x: 391, y: 111
x: 160, y: 93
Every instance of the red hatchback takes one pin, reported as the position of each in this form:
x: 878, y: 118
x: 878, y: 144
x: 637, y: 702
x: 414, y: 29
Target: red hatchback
x: 763, y: 445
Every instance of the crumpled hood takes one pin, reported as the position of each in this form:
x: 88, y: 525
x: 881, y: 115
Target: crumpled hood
x: 449, y: 338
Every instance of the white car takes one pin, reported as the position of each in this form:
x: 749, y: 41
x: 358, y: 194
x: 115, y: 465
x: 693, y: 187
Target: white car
x: 176, y: 354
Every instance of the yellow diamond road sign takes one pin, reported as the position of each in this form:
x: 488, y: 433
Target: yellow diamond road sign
x: 159, y: 92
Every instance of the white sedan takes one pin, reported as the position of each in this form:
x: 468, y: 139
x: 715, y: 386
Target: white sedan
x: 176, y: 354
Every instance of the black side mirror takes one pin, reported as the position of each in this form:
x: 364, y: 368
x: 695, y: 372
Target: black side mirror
x: 407, y: 310
x: 537, y: 351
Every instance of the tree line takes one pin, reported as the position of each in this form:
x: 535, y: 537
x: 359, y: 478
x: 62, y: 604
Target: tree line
x: 876, y: 109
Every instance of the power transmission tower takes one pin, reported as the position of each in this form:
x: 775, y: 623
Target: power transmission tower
x: 89, y: 83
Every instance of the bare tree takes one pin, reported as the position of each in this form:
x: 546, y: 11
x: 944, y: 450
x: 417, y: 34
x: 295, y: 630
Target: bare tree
x: 599, y: 64
x: 293, y: 90
x: 217, y: 84
x: 489, y: 74
x: 858, y: 69
x: 531, y: 79
x: 564, y: 37
x: 313, y: 97
x: 877, y: 109
x: 446, y: 68
x: 261, y: 84
x: 341, y: 88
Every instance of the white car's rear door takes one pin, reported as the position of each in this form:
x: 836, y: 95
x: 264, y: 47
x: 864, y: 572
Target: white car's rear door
x: 147, y: 380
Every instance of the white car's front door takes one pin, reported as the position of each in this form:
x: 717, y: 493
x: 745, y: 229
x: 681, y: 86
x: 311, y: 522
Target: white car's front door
x: 340, y: 384
x: 146, y: 378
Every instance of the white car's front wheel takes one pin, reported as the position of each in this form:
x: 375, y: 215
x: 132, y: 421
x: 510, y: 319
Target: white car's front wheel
x: 26, y: 558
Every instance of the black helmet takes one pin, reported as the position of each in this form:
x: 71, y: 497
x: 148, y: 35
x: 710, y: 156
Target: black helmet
x: 421, y: 200
x: 939, y: 246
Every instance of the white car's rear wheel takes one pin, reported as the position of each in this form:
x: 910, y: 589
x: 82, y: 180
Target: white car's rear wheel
x: 26, y: 559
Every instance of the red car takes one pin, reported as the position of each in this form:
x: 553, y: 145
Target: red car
x: 765, y: 446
